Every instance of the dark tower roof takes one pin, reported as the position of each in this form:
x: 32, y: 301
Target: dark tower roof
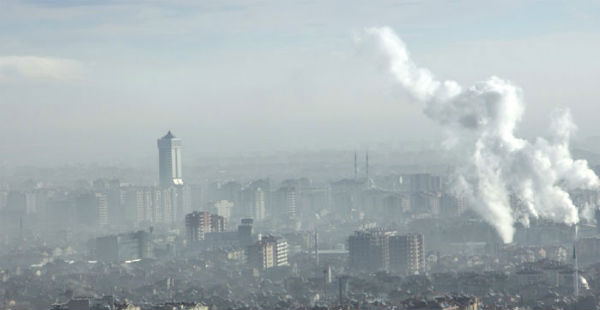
x: 169, y: 135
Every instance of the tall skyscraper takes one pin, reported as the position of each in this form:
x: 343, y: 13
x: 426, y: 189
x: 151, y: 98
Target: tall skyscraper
x: 169, y: 160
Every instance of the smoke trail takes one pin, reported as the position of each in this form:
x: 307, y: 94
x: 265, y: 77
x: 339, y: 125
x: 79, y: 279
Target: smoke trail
x: 505, y: 178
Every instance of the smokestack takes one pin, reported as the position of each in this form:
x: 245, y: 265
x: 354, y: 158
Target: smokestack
x: 575, y: 267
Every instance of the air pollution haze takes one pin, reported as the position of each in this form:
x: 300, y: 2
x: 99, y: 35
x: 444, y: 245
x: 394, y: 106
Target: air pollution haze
x: 505, y: 178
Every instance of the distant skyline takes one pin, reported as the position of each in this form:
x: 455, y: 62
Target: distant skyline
x: 98, y: 81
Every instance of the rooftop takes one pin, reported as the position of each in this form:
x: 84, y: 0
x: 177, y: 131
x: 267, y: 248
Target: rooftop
x: 169, y: 135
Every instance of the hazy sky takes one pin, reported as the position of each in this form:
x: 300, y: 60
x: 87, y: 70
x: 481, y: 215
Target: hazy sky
x: 99, y: 81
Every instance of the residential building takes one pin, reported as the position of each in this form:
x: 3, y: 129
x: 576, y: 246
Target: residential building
x: 369, y: 250
x: 407, y: 254
x: 268, y: 252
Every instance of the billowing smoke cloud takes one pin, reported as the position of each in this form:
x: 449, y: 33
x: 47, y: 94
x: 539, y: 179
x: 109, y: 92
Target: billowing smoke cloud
x: 505, y: 178
x: 588, y: 213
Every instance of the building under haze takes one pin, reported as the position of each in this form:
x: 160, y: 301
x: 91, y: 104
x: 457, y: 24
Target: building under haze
x: 268, y: 252
x: 199, y: 223
x: 379, y: 249
x: 169, y: 160
x: 407, y: 254
x: 123, y: 247
x: 245, y: 232
x: 369, y: 250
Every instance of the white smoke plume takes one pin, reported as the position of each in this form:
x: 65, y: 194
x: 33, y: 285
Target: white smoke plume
x: 505, y: 178
x: 588, y: 213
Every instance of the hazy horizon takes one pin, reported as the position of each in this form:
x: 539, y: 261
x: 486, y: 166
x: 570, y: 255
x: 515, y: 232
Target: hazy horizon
x: 101, y: 81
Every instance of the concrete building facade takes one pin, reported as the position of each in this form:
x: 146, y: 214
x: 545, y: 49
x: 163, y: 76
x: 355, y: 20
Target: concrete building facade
x: 407, y: 254
x: 383, y: 250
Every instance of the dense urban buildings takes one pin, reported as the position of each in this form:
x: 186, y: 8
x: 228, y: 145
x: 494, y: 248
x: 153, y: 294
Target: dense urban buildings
x: 392, y: 240
x: 253, y: 242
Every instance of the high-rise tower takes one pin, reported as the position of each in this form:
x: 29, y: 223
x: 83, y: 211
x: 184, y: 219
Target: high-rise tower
x: 169, y: 160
